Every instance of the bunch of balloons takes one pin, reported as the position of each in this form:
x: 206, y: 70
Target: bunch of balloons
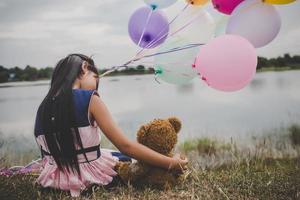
x: 188, y: 46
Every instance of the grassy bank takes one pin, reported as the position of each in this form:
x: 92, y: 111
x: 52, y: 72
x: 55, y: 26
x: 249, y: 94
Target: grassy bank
x: 279, y: 69
x: 267, y: 169
x: 258, y: 179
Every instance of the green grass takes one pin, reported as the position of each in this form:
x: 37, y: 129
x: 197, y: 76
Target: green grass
x: 263, y: 179
x: 204, y: 146
x: 294, y: 131
x: 266, y: 69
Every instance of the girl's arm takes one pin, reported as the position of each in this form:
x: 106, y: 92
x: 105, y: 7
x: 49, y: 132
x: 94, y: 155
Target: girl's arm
x: 126, y: 146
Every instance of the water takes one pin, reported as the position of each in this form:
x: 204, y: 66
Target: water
x: 270, y: 101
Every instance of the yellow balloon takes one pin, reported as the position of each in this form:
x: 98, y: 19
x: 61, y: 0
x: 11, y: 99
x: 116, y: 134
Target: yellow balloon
x: 197, y: 2
x: 279, y: 1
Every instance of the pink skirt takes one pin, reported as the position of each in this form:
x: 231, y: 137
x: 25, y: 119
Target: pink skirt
x: 100, y: 171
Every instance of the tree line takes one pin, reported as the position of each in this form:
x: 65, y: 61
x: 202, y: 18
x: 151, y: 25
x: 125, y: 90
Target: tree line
x: 30, y: 73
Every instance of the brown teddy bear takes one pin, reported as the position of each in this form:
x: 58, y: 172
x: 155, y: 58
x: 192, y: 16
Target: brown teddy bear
x: 161, y: 136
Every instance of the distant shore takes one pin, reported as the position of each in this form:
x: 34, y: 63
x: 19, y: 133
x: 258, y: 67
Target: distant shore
x: 116, y: 74
x: 277, y: 69
x: 31, y: 73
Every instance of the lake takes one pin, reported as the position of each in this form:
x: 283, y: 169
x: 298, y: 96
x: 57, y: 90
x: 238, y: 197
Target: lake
x: 270, y: 101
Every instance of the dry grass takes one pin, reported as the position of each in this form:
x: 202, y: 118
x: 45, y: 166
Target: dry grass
x: 269, y: 169
x: 263, y: 179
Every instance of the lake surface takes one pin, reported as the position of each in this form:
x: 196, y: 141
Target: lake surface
x: 270, y: 101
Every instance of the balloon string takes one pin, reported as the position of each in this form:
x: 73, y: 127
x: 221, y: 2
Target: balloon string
x: 155, y: 78
x: 151, y: 55
x: 186, y: 25
x: 134, y: 59
x: 168, y: 70
x: 183, y: 74
x: 180, y: 29
x: 130, y: 61
x: 165, y: 63
x: 156, y: 39
x: 188, y: 46
x: 144, y: 29
x: 171, y: 50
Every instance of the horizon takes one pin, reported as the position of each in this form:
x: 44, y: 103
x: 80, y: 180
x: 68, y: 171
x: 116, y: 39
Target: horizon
x: 129, y: 66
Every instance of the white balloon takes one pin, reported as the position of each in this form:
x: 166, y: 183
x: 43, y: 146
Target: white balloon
x: 194, y: 24
x: 160, y: 3
x: 221, y: 24
x: 176, y: 67
x: 256, y: 21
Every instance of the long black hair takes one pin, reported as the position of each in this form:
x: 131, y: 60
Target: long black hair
x: 58, y: 114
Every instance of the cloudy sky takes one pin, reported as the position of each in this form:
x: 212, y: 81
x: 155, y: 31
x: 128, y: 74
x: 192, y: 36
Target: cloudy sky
x: 40, y: 32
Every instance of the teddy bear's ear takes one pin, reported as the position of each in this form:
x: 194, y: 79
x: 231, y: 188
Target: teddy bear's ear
x: 176, y: 123
x: 141, y: 135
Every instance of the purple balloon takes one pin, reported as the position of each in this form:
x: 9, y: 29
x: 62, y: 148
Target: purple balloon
x: 148, y: 28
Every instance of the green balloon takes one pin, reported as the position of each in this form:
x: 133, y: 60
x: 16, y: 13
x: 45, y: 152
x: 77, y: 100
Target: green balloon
x: 176, y: 67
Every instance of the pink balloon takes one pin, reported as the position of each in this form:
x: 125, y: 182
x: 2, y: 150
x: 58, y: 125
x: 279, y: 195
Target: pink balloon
x: 227, y: 63
x: 226, y: 6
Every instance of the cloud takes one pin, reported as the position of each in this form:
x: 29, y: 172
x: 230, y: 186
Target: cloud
x: 41, y: 32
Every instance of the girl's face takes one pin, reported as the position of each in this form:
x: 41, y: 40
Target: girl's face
x: 88, y: 80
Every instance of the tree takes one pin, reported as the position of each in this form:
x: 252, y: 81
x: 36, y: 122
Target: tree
x: 296, y: 59
x: 287, y: 58
x: 30, y: 73
x: 4, y: 74
x: 45, y: 73
x: 281, y: 62
x: 262, y: 62
x: 18, y: 73
x: 140, y: 68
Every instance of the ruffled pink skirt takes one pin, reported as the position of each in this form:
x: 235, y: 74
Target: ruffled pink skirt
x: 100, y: 171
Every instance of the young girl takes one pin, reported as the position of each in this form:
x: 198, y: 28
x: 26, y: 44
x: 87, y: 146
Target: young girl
x: 66, y: 130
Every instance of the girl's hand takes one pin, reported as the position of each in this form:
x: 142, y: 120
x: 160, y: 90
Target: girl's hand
x: 179, y: 163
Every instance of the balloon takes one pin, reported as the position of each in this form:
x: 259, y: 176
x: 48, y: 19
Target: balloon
x: 176, y: 67
x: 226, y: 6
x: 159, y: 3
x: 256, y: 21
x: 197, y: 2
x: 148, y: 26
x: 279, y: 1
x: 221, y: 24
x: 194, y: 24
x: 227, y: 63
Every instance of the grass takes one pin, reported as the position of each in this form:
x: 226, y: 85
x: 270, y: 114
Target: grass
x: 204, y: 146
x: 295, y: 134
x: 267, y: 69
x: 268, y: 169
x: 256, y: 179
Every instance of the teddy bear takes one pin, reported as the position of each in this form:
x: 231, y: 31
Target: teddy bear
x: 161, y: 136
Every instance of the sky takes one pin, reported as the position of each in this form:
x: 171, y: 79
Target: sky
x: 40, y: 32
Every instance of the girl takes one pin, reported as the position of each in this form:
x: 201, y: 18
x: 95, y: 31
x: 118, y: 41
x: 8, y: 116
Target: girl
x: 66, y: 130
